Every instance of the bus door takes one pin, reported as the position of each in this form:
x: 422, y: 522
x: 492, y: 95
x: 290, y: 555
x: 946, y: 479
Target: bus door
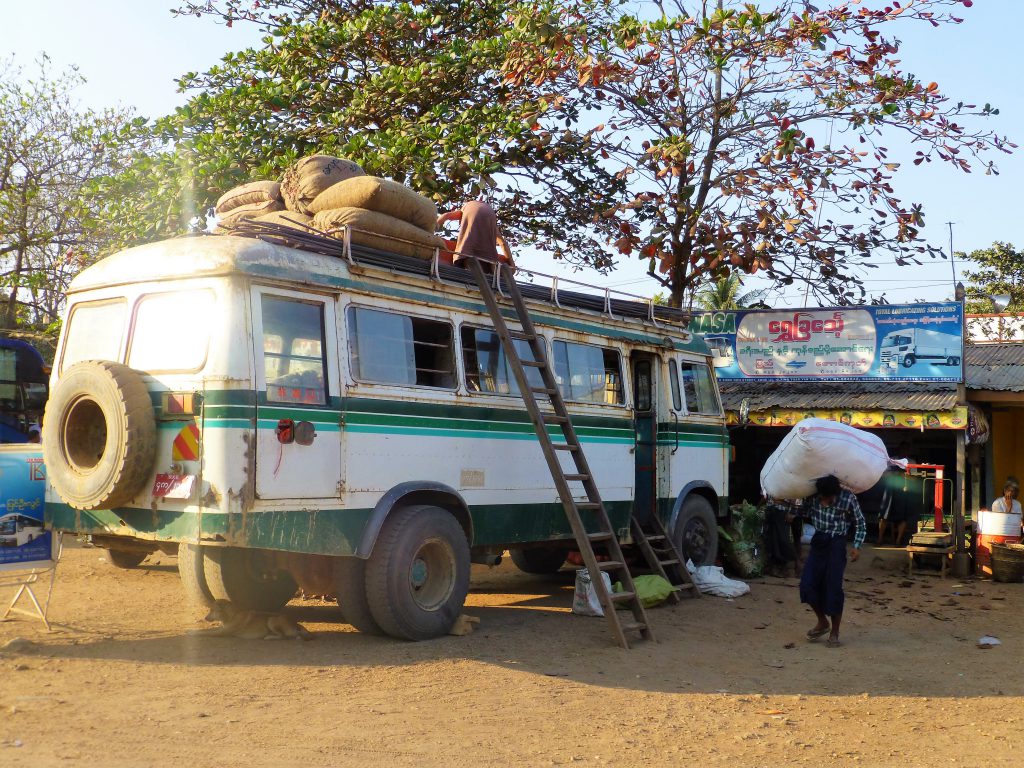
x: 645, y: 425
x: 298, y: 433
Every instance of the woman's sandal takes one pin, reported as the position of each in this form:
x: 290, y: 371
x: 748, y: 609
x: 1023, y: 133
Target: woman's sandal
x: 815, y: 633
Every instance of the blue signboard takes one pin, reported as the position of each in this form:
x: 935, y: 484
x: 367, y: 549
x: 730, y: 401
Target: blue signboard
x: 24, y: 544
x: 900, y: 342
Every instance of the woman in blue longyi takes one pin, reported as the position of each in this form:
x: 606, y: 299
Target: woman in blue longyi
x: 832, y: 511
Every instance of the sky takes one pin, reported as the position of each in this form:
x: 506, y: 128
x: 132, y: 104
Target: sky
x: 131, y: 52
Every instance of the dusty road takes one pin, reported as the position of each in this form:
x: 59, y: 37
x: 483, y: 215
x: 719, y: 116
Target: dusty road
x: 731, y: 683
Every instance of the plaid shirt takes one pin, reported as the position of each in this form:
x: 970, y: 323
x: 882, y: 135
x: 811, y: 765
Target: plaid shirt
x: 836, y: 519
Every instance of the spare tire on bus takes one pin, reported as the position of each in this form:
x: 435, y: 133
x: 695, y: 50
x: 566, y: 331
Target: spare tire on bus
x: 99, y: 435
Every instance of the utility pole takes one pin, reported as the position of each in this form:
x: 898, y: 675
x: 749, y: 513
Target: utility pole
x: 952, y: 258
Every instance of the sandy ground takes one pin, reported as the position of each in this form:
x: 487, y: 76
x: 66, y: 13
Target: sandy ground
x: 730, y: 683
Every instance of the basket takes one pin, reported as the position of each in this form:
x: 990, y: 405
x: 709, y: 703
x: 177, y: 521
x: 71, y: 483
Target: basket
x: 1008, y: 562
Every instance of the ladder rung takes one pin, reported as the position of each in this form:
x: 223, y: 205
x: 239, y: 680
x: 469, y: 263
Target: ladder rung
x: 606, y: 536
x: 669, y: 562
x: 655, y: 538
x: 577, y: 478
x: 622, y: 597
x: 533, y: 363
x: 588, y: 505
x: 611, y: 565
x: 553, y: 418
x: 565, y: 446
x: 681, y: 587
x: 631, y: 626
x: 543, y: 391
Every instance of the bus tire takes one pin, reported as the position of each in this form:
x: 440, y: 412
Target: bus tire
x: 99, y: 435
x: 540, y: 561
x: 909, y: 361
x: 126, y: 558
x: 417, y: 576
x: 696, y: 531
x: 246, y: 578
x: 193, y: 575
x: 350, y: 592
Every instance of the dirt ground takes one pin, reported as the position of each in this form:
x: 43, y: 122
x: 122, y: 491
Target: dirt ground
x: 730, y: 683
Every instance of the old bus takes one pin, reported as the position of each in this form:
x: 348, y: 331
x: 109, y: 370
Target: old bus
x: 286, y: 417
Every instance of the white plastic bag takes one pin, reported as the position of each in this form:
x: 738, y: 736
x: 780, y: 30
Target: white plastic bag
x: 585, y: 601
x: 712, y: 580
x: 817, y: 447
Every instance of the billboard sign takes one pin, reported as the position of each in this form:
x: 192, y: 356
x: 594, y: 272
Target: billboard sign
x: 24, y: 544
x: 901, y: 342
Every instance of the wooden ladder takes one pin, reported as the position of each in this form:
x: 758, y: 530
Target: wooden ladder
x: 604, y: 536
x: 662, y: 556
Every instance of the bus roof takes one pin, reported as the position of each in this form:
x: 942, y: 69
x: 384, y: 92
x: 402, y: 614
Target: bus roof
x: 221, y: 255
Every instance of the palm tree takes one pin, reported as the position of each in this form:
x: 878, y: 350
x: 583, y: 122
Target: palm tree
x: 724, y: 294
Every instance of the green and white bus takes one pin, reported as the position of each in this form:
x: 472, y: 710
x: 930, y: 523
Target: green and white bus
x: 288, y: 418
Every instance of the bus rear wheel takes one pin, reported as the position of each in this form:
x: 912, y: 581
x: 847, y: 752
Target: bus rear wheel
x: 350, y: 592
x: 193, y: 575
x: 418, y: 574
x: 126, y: 558
x: 246, y: 577
x: 541, y: 561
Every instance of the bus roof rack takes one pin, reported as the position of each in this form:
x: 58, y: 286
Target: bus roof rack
x: 607, y: 301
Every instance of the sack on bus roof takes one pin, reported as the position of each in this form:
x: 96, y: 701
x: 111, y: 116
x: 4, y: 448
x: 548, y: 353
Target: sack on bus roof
x: 229, y: 220
x: 378, y: 230
x: 291, y: 219
x: 381, y: 195
x: 310, y: 176
x: 817, y: 447
x: 253, y: 193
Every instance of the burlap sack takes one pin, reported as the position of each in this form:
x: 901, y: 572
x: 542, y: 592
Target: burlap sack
x: 312, y: 175
x: 248, y: 194
x: 381, y: 195
x: 299, y: 221
x: 377, y: 231
x: 228, y: 221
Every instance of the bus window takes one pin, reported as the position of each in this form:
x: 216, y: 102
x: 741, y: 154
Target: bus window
x: 171, y: 331
x: 23, y: 390
x: 486, y: 365
x: 95, y: 330
x: 294, y: 363
x: 587, y: 373
x: 389, y: 348
x: 673, y: 377
x: 699, y: 389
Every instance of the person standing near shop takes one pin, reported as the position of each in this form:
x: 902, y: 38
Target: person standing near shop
x: 832, y: 510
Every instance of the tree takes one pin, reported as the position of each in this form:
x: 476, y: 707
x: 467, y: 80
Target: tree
x: 50, y: 151
x: 413, y: 91
x: 724, y: 293
x: 749, y: 138
x: 1001, y: 271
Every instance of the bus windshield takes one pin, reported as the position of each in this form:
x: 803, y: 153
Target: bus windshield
x: 23, y: 390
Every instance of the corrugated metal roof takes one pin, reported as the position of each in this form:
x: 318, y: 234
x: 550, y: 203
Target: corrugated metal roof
x: 995, y: 366
x: 863, y: 396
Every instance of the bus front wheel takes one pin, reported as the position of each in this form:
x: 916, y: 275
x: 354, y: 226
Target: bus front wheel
x: 418, y: 574
x: 696, y: 531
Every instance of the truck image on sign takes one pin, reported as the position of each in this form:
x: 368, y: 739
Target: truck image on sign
x: 905, y: 347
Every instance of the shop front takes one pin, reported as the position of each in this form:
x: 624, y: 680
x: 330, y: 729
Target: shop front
x: 895, y: 370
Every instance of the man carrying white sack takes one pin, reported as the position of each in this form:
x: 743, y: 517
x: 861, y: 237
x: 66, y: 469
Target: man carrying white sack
x: 831, y: 511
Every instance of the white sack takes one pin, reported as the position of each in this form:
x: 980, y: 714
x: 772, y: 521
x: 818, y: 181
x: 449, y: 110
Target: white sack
x: 585, y: 601
x: 712, y: 580
x: 817, y: 447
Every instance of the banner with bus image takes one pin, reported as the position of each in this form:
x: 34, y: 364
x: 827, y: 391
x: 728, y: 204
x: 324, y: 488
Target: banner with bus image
x: 900, y: 342
x: 24, y: 543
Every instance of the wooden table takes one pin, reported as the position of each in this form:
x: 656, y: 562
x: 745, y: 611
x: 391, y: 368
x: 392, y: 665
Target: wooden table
x: 944, y: 552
